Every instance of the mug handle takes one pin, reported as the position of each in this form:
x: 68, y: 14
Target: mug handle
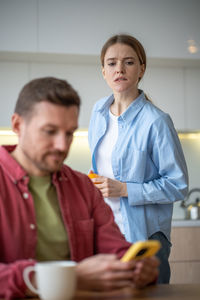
x: 26, y: 273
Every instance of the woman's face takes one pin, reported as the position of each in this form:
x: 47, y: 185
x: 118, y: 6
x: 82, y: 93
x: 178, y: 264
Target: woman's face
x: 122, y: 68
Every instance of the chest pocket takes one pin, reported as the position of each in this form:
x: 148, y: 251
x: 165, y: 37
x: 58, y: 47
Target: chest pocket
x: 133, y: 165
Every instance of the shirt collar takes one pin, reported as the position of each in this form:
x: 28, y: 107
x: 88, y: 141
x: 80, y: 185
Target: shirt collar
x: 132, y: 110
x: 106, y: 105
x: 10, y: 165
x: 15, y: 171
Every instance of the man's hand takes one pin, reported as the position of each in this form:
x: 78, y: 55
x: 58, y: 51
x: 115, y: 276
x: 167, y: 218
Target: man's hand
x: 110, y: 187
x: 146, y: 271
x: 106, y: 272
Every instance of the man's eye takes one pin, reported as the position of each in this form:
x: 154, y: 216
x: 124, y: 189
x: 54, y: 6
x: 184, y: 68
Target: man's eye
x: 69, y: 134
x: 49, y: 132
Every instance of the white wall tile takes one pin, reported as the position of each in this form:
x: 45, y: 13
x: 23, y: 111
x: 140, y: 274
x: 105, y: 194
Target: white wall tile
x: 86, y: 79
x: 165, y: 87
x: 192, y: 94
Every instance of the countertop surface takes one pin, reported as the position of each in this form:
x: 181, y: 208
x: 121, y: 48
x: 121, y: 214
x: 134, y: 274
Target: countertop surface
x: 185, y: 223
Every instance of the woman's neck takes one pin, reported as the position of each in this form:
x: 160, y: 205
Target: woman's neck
x: 121, y: 102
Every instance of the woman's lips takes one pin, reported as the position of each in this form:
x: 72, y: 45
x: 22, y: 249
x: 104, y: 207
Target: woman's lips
x: 121, y: 79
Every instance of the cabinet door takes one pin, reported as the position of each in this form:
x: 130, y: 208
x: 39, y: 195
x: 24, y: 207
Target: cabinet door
x: 185, y: 244
x: 185, y: 255
x: 185, y: 272
x: 18, y: 25
x: 192, y: 84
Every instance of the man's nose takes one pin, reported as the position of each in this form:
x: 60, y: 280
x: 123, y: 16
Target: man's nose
x: 61, y: 143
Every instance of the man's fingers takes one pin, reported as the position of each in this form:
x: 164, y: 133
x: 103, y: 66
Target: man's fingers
x: 118, y: 275
x: 146, y: 271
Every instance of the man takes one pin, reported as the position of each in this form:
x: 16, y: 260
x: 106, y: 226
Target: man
x: 47, y: 210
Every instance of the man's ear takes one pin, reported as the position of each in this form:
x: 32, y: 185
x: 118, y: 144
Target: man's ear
x: 16, y: 123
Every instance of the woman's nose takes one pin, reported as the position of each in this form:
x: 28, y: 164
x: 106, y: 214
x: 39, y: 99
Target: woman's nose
x: 120, y: 67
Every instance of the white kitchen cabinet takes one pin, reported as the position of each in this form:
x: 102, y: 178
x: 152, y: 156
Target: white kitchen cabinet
x: 82, y: 27
x: 192, y: 95
x: 18, y: 25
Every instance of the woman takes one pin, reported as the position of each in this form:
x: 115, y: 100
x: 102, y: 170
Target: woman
x: 136, y: 151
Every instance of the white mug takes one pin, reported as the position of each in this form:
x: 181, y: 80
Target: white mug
x: 56, y: 280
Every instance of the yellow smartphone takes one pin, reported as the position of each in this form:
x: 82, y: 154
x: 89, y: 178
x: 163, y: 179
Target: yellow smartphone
x: 141, y: 249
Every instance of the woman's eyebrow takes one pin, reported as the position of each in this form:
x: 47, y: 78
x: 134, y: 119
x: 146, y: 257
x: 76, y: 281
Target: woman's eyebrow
x: 114, y: 58
x: 110, y: 58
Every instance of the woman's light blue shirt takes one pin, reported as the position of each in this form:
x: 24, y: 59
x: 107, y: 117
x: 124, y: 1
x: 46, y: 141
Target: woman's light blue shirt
x: 149, y: 158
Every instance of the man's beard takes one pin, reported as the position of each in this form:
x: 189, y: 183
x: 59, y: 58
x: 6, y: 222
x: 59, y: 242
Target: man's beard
x: 43, y: 165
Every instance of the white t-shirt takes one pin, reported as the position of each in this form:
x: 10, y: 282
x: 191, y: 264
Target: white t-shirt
x: 104, y: 166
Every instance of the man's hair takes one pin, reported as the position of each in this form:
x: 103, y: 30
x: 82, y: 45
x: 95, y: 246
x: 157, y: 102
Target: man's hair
x: 49, y: 89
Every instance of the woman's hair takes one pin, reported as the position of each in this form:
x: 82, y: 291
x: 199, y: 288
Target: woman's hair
x: 49, y: 89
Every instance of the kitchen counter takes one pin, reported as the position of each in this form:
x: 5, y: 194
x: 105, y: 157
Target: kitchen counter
x: 185, y: 223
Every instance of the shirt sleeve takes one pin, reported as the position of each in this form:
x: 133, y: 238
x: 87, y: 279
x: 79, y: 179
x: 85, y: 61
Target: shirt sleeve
x: 12, y: 284
x: 171, y: 182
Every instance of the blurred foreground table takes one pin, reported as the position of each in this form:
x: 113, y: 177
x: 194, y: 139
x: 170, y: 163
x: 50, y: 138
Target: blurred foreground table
x: 157, y: 292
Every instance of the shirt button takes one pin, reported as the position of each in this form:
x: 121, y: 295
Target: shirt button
x: 32, y: 226
x: 25, y: 195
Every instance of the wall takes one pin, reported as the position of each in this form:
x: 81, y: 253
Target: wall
x: 171, y: 85
x: 85, y: 77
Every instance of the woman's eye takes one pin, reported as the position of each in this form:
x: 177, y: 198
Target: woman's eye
x: 111, y: 64
x: 129, y: 63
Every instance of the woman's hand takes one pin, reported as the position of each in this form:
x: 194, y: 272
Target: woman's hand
x: 110, y: 187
